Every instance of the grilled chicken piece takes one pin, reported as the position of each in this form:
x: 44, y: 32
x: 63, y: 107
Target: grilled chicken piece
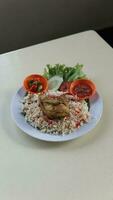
x: 54, y: 107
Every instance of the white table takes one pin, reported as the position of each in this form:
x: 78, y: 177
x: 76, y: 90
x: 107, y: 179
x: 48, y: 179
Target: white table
x: 81, y: 169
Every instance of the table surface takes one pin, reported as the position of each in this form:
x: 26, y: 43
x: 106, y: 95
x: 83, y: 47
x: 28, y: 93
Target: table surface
x: 80, y: 169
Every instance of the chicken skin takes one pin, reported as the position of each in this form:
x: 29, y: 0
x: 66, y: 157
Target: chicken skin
x: 54, y: 107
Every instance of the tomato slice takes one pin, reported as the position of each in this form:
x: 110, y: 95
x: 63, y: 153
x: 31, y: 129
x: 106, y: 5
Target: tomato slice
x: 65, y: 86
x: 83, y: 88
x: 35, y: 83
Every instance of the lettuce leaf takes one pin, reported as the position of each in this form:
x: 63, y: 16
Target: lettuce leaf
x: 67, y: 73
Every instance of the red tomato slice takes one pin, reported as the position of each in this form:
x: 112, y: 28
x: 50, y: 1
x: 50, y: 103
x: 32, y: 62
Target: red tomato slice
x: 83, y: 88
x: 65, y: 86
x: 36, y: 80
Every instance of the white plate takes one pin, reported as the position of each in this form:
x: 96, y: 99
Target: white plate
x: 96, y: 108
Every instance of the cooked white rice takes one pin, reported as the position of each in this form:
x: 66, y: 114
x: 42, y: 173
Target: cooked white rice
x: 79, y: 115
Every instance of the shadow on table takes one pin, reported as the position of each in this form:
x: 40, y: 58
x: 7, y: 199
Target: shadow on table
x: 18, y: 136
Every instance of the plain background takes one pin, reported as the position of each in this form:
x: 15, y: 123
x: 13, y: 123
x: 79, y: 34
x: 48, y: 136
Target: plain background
x: 27, y: 22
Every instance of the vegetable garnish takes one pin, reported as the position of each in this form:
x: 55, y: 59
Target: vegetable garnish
x: 67, y: 73
x: 60, y: 77
x: 83, y: 88
x: 35, y: 83
x: 64, y: 87
x: 54, y: 83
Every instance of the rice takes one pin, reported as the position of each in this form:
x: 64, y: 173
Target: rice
x: 33, y: 114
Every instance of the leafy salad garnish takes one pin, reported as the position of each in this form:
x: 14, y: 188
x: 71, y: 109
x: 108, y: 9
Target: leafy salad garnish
x: 67, y: 73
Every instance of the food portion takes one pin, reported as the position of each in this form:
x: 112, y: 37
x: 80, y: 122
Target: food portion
x: 55, y: 112
x: 74, y: 80
x: 54, y: 107
x: 83, y: 88
x: 35, y: 83
x: 67, y: 73
x: 54, y: 83
x: 58, y: 102
x: 65, y: 86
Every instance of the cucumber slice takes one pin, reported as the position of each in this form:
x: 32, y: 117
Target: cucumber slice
x: 54, y: 83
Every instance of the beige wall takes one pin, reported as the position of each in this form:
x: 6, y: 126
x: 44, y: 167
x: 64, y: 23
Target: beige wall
x: 26, y: 22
